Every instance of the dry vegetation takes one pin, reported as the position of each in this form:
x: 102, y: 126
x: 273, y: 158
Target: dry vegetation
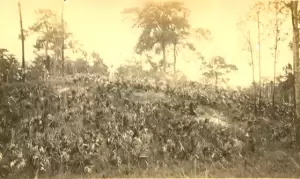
x: 91, y: 126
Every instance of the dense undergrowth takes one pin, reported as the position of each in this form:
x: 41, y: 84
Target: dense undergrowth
x: 89, y: 125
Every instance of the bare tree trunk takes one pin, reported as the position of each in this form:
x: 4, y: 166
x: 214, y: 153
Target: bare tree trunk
x: 6, y: 76
x: 63, y: 41
x: 259, y: 60
x: 296, y: 96
x: 250, y: 49
x: 274, y: 82
x: 275, y: 55
x: 253, y: 76
x: 22, y: 40
x: 175, y: 56
x: 47, y: 58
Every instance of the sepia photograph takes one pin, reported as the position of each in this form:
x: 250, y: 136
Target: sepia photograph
x: 149, y: 89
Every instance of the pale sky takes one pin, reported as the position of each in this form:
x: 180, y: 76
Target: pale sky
x: 99, y: 26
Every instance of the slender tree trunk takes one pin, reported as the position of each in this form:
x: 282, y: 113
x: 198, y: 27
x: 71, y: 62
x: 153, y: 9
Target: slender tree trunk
x: 6, y: 76
x: 46, y: 57
x: 296, y: 96
x: 63, y: 41
x: 22, y: 41
x: 274, y: 82
x: 259, y: 60
x: 253, y: 74
x: 175, y: 57
x: 248, y: 39
x: 254, y: 84
x: 275, y: 56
